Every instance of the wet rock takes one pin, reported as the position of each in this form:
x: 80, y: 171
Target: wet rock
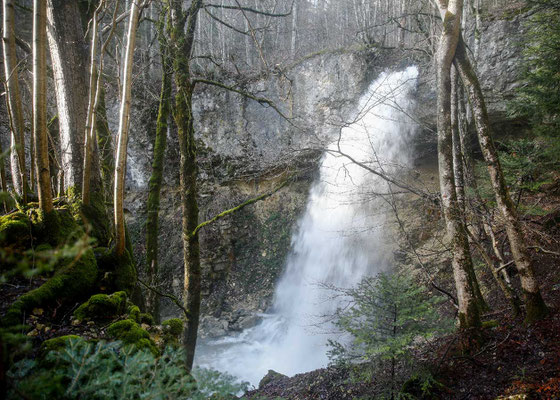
x: 211, y: 327
x: 271, y: 377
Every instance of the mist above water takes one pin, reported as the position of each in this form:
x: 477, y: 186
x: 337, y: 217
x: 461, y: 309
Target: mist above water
x: 339, y: 240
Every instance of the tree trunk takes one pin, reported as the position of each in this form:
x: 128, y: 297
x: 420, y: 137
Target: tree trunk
x: 182, y: 42
x: 105, y: 146
x: 157, y: 177
x: 3, y: 187
x: 40, y: 105
x: 68, y: 50
x: 13, y: 102
x: 536, y: 308
x: 89, y: 133
x: 459, y: 176
x: 462, y: 262
x: 122, y: 136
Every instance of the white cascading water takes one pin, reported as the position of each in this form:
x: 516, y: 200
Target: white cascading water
x: 340, y: 239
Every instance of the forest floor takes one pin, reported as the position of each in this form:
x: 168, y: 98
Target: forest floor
x: 515, y: 361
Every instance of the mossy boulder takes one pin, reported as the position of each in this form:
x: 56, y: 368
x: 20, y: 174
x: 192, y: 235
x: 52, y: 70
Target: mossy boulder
x: 73, y: 279
x: 129, y: 332
x: 271, y: 376
x: 172, y: 329
x: 58, y: 343
x: 119, y: 272
x: 56, y: 227
x: 173, y: 326
x: 15, y: 230
x: 102, y: 307
x: 133, y: 312
x: 146, y: 318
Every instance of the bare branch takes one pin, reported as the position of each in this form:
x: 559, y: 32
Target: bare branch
x: 251, y: 10
x: 261, y: 100
x: 240, y: 206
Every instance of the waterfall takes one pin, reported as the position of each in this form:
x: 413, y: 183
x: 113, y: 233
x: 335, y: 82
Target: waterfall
x: 339, y: 239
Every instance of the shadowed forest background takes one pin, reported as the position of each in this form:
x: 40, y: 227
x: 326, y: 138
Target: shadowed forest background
x: 360, y: 197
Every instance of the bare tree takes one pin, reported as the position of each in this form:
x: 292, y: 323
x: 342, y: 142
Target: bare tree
x: 124, y: 123
x: 536, y: 308
x: 462, y: 262
x: 68, y: 50
x: 40, y: 104
x: 13, y: 102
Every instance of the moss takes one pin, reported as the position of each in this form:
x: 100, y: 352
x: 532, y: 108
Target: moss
x: 72, y: 280
x: 134, y: 312
x: 172, y: 330
x: 146, y: 318
x: 57, y: 343
x: 490, y: 324
x: 15, y: 230
x: 129, y: 332
x: 174, y: 326
x: 94, y: 217
x: 102, y: 307
x: 55, y: 228
x: 119, y: 273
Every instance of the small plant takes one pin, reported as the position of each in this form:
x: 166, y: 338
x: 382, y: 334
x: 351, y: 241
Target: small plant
x: 539, y: 98
x: 386, y: 316
x: 83, y: 370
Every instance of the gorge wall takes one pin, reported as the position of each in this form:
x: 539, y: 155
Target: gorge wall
x: 247, y: 148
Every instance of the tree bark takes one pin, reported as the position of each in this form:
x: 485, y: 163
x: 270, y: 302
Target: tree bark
x: 40, y: 105
x: 105, y: 146
x: 182, y: 41
x: 462, y: 263
x: 68, y: 50
x: 154, y: 186
x: 122, y: 136
x: 535, y: 306
x: 13, y: 102
x: 459, y: 176
x: 89, y: 133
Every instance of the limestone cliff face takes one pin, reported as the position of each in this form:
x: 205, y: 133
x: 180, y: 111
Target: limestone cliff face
x: 247, y: 148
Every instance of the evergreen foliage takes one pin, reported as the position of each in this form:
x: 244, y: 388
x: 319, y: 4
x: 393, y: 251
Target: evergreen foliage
x: 386, y: 315
x: 539, y: 98
x: 82, y: 370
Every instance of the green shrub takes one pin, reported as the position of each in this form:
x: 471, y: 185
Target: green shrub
x: 386, y: 315
x: 538, y: 99
x: 108, y: 371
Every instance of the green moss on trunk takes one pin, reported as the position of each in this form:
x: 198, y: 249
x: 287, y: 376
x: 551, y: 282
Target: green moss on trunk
x: 157, y: 178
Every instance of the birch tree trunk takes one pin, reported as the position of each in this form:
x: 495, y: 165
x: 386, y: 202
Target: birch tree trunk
x: 13, y: 102
x: 462, y: 263
x: 40, y: 105
x: 182, y: 41
x: 535, y: 306
x: 122, y: 136
x: 68, y: 50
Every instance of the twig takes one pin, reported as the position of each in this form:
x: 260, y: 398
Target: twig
x: 538, y: 248
x: 239, y: 207
x: 168, y: 296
